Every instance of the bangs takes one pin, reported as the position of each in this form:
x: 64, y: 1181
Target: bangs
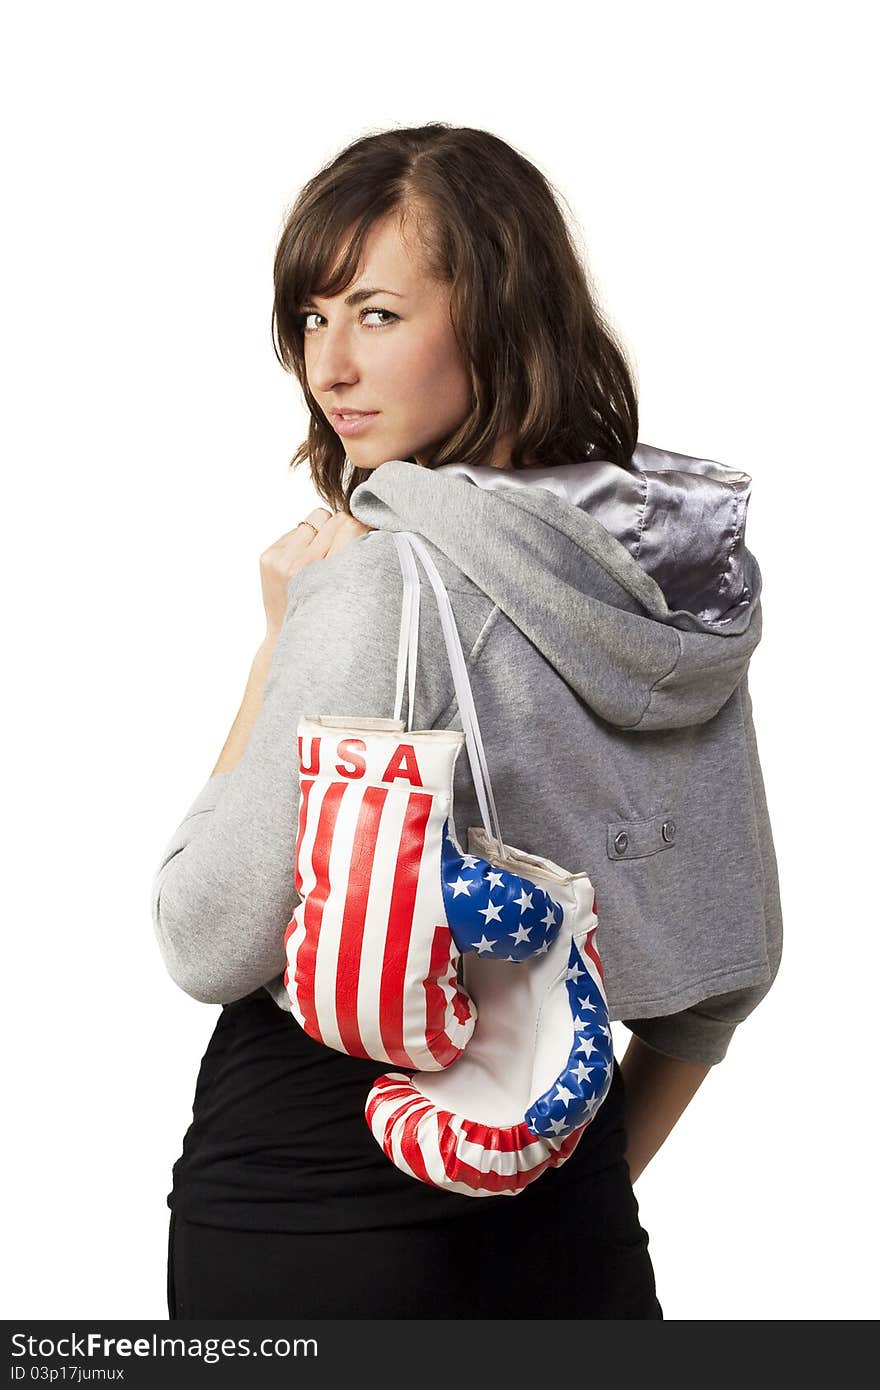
x: 325, y: 245
x: 325, y: 261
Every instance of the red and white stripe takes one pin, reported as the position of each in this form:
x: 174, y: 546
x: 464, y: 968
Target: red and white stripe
x: 372, y: 965
x: 456, y: 1154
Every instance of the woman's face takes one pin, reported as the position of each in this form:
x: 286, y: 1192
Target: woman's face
x: 392, y: 352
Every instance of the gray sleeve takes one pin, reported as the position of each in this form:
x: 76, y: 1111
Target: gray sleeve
x: 703, y: 1032
x: 223, y: 893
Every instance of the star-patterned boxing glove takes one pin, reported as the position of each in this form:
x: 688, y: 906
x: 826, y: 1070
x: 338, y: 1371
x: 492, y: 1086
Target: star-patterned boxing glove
x: 389, y: 903
x: 534, y: 1074
x: 492, y: 911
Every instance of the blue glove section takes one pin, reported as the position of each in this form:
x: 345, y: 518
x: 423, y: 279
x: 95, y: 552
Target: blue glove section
x: 581, y: 1087
x: 493, y: 912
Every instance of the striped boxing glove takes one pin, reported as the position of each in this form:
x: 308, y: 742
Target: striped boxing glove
x: 389, y: 902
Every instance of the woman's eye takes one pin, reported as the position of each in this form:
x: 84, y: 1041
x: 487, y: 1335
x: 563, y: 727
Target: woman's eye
x: 388, y: 315
x: 313, y: 313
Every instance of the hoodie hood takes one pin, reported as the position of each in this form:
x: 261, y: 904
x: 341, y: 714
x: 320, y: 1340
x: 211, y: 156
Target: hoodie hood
x: 634, y: 583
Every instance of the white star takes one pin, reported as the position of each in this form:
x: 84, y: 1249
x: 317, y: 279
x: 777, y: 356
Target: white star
x: 461, y: 885
x: 579, y: 1024
x: 586, y: 1046
x: 550, y: 919
x: 574, y: 972
x: 492, y: 912
x: 581, y: 1072
x: 470, y: 861
x: 495, y: 878
x: 541, y: 949
x: 484, y: 945
x: 524, y: 900
x: 585, y: 1004
x: 557, y: 1126
x: 563, y: 1095
x: 605, y: 1030
x: 521, y: 934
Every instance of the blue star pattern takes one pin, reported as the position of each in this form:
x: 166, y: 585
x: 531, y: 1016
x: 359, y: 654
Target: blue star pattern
x: 581, y: 1087
x: 492, y: 911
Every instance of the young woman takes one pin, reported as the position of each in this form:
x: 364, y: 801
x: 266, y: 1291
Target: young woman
x: 463, y: 385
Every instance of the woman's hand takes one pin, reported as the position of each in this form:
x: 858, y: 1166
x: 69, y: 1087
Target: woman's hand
x: 298, y: 548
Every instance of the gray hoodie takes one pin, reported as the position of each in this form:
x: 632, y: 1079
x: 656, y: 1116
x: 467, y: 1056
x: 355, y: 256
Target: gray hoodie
x: 608, y: 617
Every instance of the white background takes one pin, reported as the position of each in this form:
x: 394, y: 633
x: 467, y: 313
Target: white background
x: 717, y: 161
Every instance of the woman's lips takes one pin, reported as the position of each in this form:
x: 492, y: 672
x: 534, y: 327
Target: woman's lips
x: 354, y: 425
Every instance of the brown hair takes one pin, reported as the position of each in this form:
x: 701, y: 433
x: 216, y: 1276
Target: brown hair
x: 544, y: 364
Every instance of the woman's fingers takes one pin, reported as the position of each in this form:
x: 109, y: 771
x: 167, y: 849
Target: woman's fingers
x: 284, y: 558
x: 298, y: 548
x: 341, y: 530
x: 302, y: 536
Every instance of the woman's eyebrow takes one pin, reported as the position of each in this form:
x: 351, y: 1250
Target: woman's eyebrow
x: 358, y: 296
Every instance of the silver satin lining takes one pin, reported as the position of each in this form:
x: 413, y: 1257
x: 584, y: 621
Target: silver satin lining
x: 682, y: 518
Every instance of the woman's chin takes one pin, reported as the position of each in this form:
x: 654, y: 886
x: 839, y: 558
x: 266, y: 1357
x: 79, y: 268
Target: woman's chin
x: 374, y: 458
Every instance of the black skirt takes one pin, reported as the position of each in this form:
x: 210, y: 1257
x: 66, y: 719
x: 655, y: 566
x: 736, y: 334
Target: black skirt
x: 284, y: 1205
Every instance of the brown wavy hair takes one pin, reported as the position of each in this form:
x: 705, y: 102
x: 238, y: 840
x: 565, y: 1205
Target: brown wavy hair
x: 545, y: 366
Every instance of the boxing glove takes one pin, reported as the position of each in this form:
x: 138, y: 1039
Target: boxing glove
x: 389, y: 902
x: 535, y: 1072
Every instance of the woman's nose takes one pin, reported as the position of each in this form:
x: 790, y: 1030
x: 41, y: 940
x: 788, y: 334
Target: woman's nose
x: 333, y: 362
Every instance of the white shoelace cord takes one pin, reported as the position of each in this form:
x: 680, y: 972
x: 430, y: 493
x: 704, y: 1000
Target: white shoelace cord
x: 408, y: 645
x: 408, y: 653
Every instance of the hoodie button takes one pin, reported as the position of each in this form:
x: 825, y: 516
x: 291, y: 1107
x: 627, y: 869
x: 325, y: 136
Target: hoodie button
x: 621, y: 841
x: 668, y: 831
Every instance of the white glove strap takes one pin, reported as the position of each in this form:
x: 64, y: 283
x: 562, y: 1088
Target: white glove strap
x: 406, y: 541
x: 408, y: 646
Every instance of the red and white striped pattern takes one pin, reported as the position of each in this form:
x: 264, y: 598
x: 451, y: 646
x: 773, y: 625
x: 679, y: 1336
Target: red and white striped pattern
x: 445, y: 1150
x: 372, y: 965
